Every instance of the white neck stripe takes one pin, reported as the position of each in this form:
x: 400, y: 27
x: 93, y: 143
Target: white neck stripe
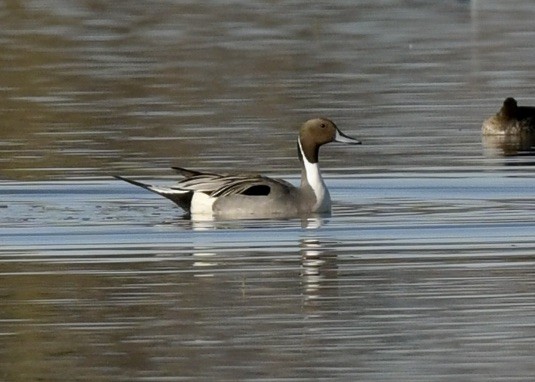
x: 314, y: 179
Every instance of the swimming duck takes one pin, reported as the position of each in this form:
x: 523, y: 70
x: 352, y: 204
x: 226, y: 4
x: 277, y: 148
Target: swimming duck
x: 510, y: 120
x: 234, y: 196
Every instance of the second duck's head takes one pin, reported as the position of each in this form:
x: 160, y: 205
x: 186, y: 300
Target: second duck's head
x: 509, y: 108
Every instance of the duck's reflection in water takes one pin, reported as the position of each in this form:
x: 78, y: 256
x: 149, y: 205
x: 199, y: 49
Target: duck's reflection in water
x: 508, y: 145
x: 309, y: 222
x: 314, y: 268
x: 319, y: 270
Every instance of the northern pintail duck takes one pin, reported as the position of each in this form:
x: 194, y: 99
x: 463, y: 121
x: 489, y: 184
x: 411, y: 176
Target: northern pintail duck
x: 234, y: 196
x: 511, y: 120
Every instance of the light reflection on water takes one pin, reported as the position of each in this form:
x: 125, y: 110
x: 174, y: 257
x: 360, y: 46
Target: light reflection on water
x: 424, y: 271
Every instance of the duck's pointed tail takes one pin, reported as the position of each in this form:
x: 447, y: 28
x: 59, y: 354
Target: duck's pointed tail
x: 181, y: 197
x: 135, y: 183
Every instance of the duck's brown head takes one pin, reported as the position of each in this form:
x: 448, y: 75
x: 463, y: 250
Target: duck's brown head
x: 316, y: 132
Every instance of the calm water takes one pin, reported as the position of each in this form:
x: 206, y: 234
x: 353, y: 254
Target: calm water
x: 424, y: 272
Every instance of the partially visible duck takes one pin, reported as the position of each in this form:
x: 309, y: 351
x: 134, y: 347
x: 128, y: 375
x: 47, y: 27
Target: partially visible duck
x: 234, y: 196
x: 510, y: 120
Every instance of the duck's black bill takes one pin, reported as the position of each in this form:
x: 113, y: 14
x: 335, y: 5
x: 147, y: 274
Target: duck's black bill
x: 342, y: 138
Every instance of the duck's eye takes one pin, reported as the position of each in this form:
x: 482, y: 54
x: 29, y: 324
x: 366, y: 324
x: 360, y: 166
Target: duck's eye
x: 322, y: 125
